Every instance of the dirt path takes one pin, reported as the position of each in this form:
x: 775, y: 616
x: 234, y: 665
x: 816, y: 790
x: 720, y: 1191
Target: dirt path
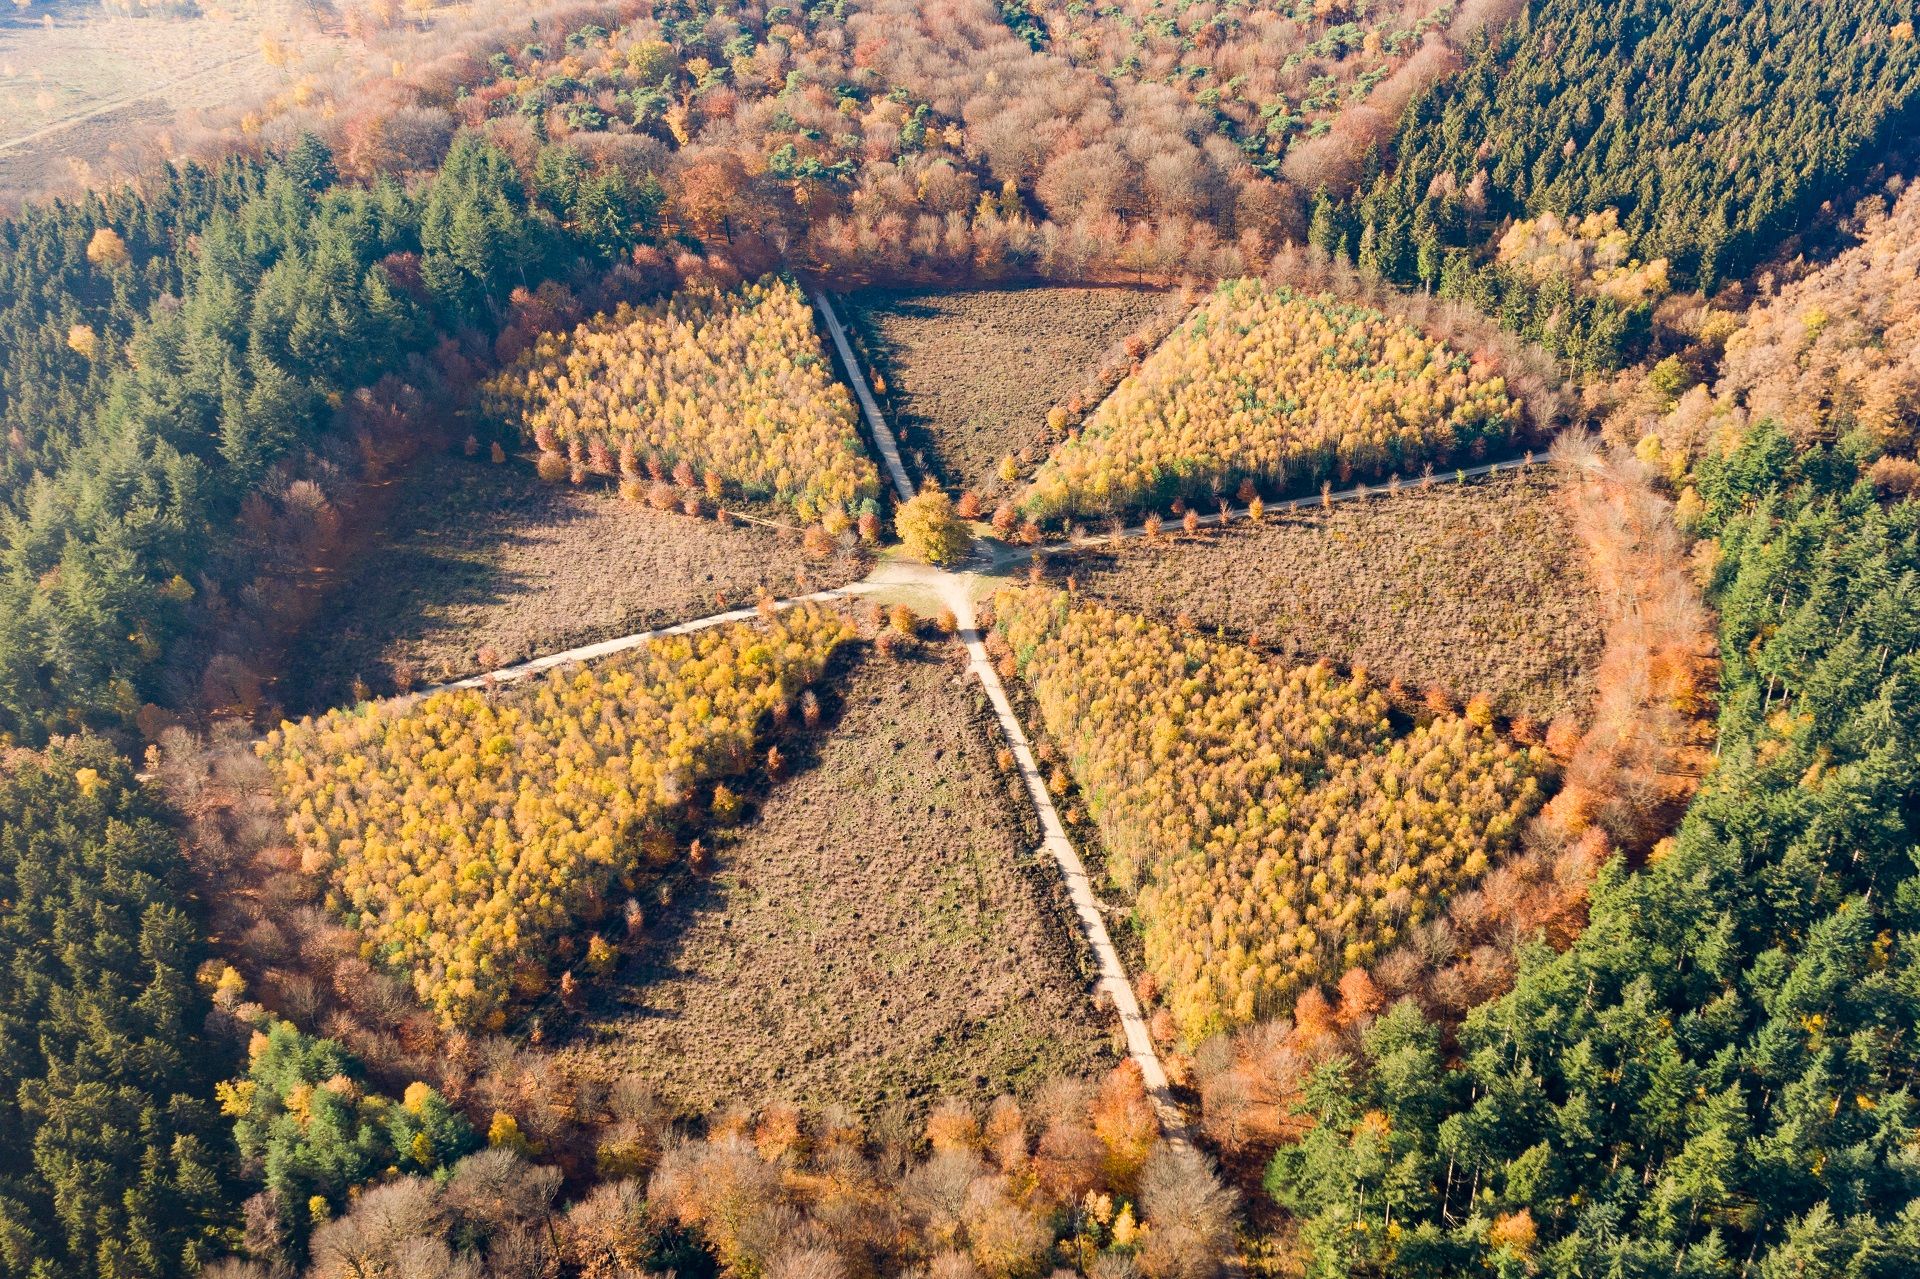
x: 620, y: 644
x: 1113, y: 973
x: 883, y: 438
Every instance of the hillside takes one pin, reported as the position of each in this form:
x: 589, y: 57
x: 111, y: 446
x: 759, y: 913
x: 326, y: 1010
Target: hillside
x: 1742, y: 123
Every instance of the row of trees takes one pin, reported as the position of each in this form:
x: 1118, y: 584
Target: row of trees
x: 1276, y: 827
x: 1712, y: 131
x: 1078, y: 1177
x: 464, y: 833
x: 1716, y: 1077
x: 733, y: 383
x: 1265, y: 384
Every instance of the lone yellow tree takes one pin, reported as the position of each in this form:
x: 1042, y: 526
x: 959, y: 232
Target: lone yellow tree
x: 931, y: 530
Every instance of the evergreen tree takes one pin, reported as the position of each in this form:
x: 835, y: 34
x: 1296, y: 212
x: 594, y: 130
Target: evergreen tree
x: 1719, y: 1072
x: 112, y: 1163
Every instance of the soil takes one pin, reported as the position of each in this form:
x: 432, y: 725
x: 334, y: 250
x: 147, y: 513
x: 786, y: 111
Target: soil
x: 881, y: 935
x: 1476, y: 588
x: 485, y: 566
x: 970, y: 375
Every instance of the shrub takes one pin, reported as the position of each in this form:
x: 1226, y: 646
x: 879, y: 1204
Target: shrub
x: 730, y: 384
x: 1277, y: 829
x: 463, y: 832
x: 1265, y: 383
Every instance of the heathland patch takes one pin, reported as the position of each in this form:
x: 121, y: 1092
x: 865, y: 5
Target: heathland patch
x: 82, y: 86
x: 971, y: 376
x: 484, y: 566
x: 879, y: 934
x: 1266, y: 385
x: 1277, y: 824
x: 732, y: 385
x: 462, y: 833
x: 1467, y: 589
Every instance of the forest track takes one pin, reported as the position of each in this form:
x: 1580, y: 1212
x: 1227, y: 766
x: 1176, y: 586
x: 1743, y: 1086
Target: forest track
x: 883, y: 437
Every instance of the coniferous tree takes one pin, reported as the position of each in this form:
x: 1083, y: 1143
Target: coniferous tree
x: 112, y: 1161
x: 1718, y: 1074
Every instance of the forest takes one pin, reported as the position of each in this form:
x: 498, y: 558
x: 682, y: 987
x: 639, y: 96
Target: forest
x: 1276, y: 830
x: 1718, y: 1069
x: 1710, y: 133
x: 1589, y: 951
x: 1266, y: 388
x: 734, y: 390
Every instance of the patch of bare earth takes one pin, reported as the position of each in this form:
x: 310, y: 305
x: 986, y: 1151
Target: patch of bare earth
x: 970, y: 375
x: 483, y: 566
x: 879, y: 936
x: 1475, y: 588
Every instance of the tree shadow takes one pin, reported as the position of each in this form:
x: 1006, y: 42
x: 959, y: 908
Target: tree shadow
x: 443, y: 551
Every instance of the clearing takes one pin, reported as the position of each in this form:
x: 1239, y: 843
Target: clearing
x: 970, y: 375
x: 881, y: 935
x: 77, y: 83
x: 1475, y: 588
x: 485, y: 566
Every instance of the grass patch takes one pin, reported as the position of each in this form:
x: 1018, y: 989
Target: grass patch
x: 60, y: 62
x: 971, y: 375
x: 486, y: 560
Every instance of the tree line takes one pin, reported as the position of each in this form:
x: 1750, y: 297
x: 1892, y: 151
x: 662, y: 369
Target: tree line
x: 233, y: 330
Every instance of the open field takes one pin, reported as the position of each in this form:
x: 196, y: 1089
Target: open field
x: 77, y: 83
x: 881, y: 934
x: 485, y: 557
x: 1476, y: 588
x: 970, y: 375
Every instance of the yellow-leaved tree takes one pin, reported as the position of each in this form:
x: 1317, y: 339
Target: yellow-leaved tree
x: 1277, y: 827
x: 715, y: 389
x: 462, y: 832
x: 1265, y: 384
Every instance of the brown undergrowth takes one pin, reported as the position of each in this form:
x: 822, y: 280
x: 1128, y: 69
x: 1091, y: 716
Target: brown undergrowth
x: 973, y: 377
x: 1442, y: 591
x: 487, y: 566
